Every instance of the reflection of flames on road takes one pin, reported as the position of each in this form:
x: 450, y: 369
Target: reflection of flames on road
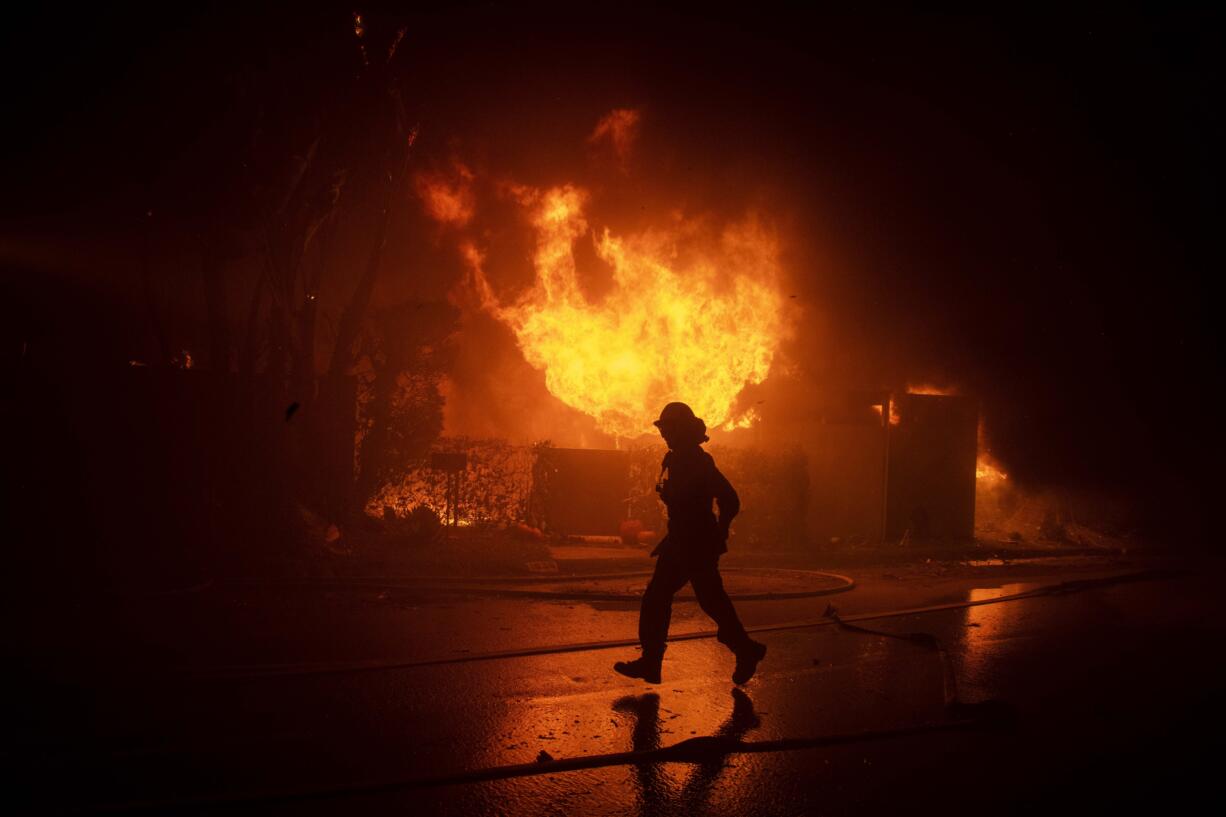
x: 986, y: 635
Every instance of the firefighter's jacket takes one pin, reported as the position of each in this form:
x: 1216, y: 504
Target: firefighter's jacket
x: 689, y: 483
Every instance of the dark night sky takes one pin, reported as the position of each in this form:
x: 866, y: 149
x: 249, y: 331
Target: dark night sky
x: 1018, y: 204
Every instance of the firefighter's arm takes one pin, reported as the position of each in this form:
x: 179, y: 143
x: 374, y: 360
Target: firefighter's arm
x: 725, y: 497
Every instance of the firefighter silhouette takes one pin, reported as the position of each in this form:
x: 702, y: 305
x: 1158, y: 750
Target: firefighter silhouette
x: 689, y: 484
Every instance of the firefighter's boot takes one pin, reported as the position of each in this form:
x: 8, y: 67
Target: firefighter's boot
x: 646, y: 667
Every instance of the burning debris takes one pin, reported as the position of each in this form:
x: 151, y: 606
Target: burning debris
x: 529, y: 489
x: 496, y: 486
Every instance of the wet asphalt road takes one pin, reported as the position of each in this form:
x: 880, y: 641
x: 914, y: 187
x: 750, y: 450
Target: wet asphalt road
x: 1115, y: 690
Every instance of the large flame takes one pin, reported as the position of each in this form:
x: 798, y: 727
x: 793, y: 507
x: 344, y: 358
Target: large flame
x: 693, y: 315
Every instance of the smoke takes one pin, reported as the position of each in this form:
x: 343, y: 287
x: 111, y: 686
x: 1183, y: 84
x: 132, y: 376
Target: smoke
x: 617, y: 132
x: 996, y: 203
x: 447, y: 196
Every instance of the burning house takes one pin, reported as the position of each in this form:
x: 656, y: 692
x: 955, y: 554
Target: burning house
x: 609, y: 323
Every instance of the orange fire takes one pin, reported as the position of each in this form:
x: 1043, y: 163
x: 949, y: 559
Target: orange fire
x: 988, y: 471
x: 694, y: 314
x: 928, y: 388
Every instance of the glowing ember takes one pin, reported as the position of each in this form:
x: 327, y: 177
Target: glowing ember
x: 928, y: 388
x: 692, y: 315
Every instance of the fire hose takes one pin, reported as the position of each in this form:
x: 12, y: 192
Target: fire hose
x: 506, y: 585
x: 335, y: 668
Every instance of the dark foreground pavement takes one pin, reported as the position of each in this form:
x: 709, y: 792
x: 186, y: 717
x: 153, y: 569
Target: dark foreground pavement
x: 1116, y: 689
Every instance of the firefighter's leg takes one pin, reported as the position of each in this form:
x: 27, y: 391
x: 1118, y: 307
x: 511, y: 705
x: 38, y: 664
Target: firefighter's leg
x: 656, y: 609
x: 713, y: 598
x: 709, y: 587
x: 654, y: 615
